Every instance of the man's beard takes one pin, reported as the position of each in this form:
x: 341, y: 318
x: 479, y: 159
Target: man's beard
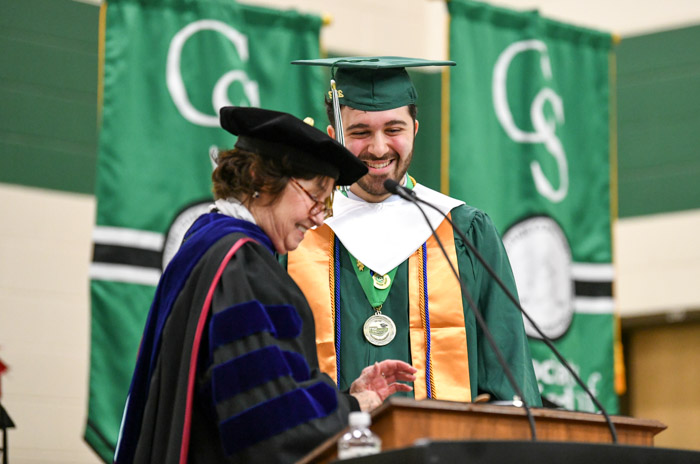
x: 374, y: 185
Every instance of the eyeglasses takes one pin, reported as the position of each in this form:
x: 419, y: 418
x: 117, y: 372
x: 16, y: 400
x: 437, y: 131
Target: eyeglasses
x: 325, y: 207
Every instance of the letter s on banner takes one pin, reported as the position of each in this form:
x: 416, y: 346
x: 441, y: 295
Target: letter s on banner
x: 176, y: 86
x: 544, y: 130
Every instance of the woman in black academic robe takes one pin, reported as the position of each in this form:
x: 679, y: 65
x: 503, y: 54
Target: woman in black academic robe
x: 227, y: 370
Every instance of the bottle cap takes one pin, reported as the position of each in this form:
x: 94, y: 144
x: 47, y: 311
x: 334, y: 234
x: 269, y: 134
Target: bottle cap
x: 360, y: 419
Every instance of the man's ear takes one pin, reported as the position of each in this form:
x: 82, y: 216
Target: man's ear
x: 415, y: 129
x: 330, y: 131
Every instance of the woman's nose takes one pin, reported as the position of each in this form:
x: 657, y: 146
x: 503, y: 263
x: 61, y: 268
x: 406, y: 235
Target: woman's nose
x: 318, y: 218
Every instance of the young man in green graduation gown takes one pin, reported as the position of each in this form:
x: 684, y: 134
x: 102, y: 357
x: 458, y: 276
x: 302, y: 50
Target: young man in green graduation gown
x: 374, y: 275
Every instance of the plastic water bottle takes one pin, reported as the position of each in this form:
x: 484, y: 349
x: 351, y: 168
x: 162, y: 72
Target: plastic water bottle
x: 359, y: 440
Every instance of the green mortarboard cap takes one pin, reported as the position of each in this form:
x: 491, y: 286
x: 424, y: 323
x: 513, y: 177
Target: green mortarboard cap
x: 374, y: 83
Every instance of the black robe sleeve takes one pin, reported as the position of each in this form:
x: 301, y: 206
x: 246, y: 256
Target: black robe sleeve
x: 260, y: 394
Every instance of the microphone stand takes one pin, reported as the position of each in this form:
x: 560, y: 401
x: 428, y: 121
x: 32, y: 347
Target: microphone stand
x: 411, y: 196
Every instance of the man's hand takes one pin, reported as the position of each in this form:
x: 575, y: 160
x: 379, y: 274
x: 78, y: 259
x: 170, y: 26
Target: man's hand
x: 381, y: 380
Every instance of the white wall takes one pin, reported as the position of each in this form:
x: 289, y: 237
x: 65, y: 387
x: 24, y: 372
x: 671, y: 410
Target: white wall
x: 622, y: 17
x: 657, y: 264
x: 418, y: 27
x: 44, y: 322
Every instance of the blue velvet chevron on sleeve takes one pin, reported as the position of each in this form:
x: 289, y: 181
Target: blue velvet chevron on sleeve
x: 256, y: 368
x: 272, y: 417
x: 259, y: 367
x: 245, y: 319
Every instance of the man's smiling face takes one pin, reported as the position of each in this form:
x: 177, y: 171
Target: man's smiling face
x: 383, y: 140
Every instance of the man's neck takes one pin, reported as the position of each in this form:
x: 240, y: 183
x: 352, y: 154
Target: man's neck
x: 366, y: 196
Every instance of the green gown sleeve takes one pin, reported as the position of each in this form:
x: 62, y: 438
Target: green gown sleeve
x: 502, y: 317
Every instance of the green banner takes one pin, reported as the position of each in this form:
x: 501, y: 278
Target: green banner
x: 529, y: 144
x: 169, y: 65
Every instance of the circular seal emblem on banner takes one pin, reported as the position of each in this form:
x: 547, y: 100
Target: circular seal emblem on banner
x: 176, y: 232
x: 540, y: 256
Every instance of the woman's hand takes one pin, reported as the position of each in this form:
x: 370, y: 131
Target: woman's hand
x: 381, y: 380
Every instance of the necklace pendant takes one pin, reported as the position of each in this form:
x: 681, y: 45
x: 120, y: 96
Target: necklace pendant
x: 381, y: 281
x: 379, y: 329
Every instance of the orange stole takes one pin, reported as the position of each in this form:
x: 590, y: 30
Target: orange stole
x: 448, y: 336
x: 310, y: 267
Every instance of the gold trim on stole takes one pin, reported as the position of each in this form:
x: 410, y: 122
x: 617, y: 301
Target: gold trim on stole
x: 448, y: 338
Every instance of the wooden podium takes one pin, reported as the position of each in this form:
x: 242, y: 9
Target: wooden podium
x: 401, y: 421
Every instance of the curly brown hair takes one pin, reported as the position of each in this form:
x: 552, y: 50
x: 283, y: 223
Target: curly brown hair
x: 240, y: 173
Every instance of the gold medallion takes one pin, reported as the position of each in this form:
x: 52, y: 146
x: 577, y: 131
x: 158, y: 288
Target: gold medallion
x: 379, y: 329
x: 381, y: 281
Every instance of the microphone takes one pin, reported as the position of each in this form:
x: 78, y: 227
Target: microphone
x: 414, y: 198
x: 393, y: 187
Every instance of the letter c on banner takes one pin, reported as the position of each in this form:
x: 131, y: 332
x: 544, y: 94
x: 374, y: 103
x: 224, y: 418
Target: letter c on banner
x: 544, y: 130
x: 176, y: 86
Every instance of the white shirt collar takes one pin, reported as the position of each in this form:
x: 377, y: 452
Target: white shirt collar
x: 234, y: 208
